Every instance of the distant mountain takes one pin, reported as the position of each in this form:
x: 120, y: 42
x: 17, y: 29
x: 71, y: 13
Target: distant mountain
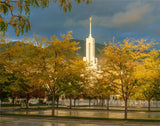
x: 82, y: 44
x: 82, y: 50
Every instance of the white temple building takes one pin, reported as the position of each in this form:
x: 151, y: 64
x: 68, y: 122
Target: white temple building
x: 90, y: 50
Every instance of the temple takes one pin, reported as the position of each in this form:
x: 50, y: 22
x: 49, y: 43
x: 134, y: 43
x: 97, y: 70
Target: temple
x: 90, y: 50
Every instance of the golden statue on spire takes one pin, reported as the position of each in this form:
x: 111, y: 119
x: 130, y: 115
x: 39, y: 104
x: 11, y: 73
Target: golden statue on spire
x: 90, y: 19
x: 90, y: 26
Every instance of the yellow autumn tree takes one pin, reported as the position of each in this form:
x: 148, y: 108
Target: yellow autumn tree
x: 121, y: 64
x: 53, y: 56
x: 18, y: 65
x: 74, y: 79
x: 150, y: 86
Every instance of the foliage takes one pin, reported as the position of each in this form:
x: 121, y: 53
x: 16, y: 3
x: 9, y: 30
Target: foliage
x: 75, y: 78
x: 104, y: 88
x: 20, y: 73
x: 121, y: 65
x: 150, y: 88
x: 52, y: 58
x: 18, y: 11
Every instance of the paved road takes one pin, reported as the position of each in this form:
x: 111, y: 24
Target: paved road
x: 30, y: 121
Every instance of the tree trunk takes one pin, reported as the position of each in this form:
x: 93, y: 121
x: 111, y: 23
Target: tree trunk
x: 149, y: 105
x: 89, y: 102
x: 57, y: 101
x: 63, y: 101
x: 107, y: 103
x: 27, y: 101
x: 70, y: 106
x: 74, y: 102
x: 97, y: 102
x: 53, y: 103
x: 102, y: 102
x: 94, y: 104
x: 156, y: 103
x: 126, y: 108
x: 13, y: 100
x: 78, y: 101
x: 38, y: 102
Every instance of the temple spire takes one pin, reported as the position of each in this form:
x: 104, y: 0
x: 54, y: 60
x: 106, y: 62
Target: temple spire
x: 90, y: 49
x: 90, y: 26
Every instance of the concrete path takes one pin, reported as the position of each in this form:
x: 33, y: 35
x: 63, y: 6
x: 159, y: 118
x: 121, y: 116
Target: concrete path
x: 36, y: 121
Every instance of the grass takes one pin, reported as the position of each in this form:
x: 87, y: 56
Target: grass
x: 10, y: 105
x: 13, y: 105
x: 84, y: 118
x: 89, y: 109
x: 24, y: 109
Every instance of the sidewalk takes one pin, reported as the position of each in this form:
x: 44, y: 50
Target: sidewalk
x: 50, y: 121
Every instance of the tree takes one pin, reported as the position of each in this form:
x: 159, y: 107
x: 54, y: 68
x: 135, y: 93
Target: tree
x: 151, y: 86
x: 20, y: 71
x: 40, y: 62
x: 89, y: 92
x: 121, y: 64
x: 104, y: 87
x: 88, y: 87
x: 7, y: 77
x: 52, y: 59
x: 74, y: 81
x: 157, y: 91
x: 26, y: 85
x: 156, y: 78
x: 18, y: 11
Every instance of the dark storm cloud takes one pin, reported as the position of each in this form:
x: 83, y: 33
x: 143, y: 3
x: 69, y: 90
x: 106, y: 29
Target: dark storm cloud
x: 131, y: 13
x: 119, y: 18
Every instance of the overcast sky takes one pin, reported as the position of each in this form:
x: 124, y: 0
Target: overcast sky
x: 119, y: 18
